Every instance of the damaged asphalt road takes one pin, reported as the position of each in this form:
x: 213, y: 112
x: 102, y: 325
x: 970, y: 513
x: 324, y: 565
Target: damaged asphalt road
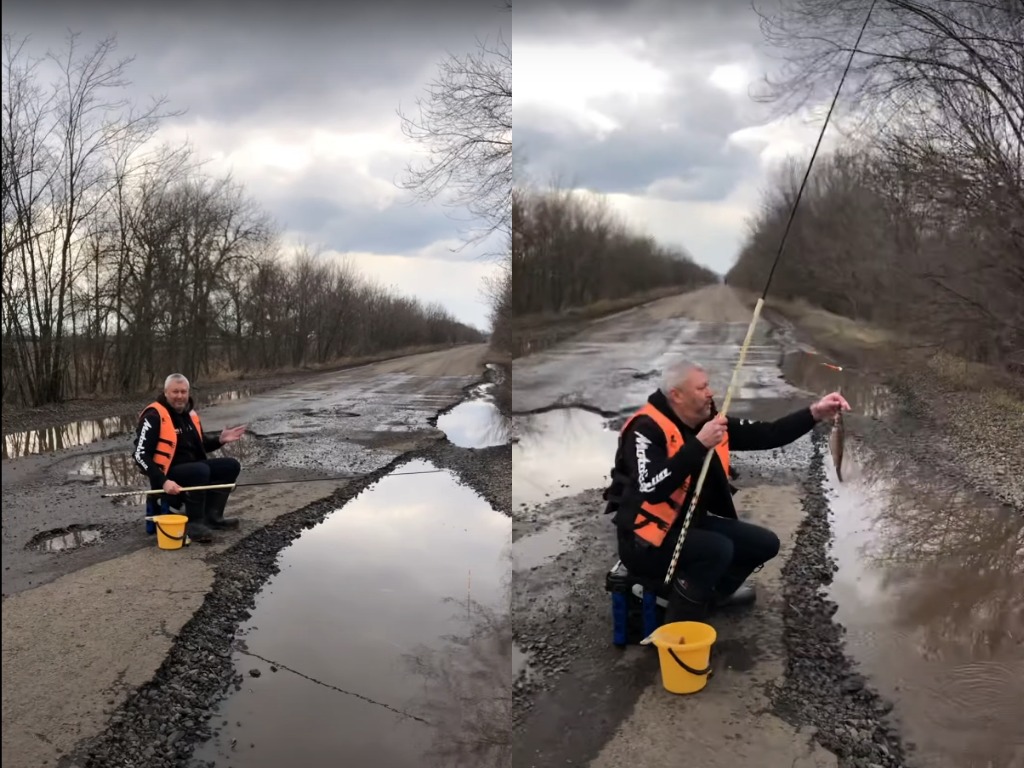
x: 112, y: 651
x: 783, y: 694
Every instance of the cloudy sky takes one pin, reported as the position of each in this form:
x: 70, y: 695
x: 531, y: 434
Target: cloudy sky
x: 298, y: 100
x: 648, y: 102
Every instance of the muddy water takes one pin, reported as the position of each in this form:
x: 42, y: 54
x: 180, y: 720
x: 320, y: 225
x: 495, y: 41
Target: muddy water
x: 536, y: 549
x: 560, y: 453
x: 388, y: 629
x: 929, y: 588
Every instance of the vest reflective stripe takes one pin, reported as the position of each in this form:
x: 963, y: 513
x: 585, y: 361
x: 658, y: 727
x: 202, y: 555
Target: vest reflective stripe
x: 168, y: 436
x: 653, y: 521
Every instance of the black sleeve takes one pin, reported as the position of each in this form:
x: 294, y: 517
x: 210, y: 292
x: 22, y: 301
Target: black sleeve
x: 211, y: 441
x: 747, y: 435
x: 645, y: 456
x: 145, y: 447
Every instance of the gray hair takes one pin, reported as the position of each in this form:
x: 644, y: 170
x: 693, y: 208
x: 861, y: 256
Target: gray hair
x: 174, y: 377
x: 674, y: 374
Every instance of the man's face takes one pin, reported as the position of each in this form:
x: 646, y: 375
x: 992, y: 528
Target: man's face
x: 177, y: 395
x: 694, y: 396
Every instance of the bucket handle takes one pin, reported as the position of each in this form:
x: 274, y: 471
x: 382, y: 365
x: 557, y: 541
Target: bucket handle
x: 687, y: 667
x: 176, y: 538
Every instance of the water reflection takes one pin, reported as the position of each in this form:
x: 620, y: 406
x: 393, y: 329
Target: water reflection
x: 560, y: 453
x: 929, y: 586
x: 366, y: 587
x: 475, y: 424
x: 228, y: 397
x: 813, y: 373
x: 467, y: 692
x: 67, y: 539
x: 52, y: 439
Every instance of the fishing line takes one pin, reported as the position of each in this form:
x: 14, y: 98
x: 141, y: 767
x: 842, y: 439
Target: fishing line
x: 158, y: 491
x: 760, y: 304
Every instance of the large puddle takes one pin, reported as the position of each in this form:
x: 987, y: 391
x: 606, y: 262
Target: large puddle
x: 476, y: 422
x: 384, y: 640
x: 560, y: 453
x: 77, y: 433
x: 929, y: 589
x: 53, y: 439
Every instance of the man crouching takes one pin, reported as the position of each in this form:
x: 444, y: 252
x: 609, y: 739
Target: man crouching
x: 172, y: 450
x: 659, y: 457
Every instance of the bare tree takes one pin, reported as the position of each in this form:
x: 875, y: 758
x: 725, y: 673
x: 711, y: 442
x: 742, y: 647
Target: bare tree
x: 933, y: 201
x: 56, y: 177
x: 465, y: 123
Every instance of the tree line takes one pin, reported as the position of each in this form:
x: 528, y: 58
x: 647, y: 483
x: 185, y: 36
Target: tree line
x: 570, y: 250
x: 918, y: 223
x: 123, y: 261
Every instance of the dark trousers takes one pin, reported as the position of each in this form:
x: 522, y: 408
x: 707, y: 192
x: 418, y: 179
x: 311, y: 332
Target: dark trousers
x: 218, y: 471
x: 718, y: 554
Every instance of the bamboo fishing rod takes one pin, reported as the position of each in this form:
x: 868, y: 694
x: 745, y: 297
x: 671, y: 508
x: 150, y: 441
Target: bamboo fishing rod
x: 221, y: 486
x: 760, y: 304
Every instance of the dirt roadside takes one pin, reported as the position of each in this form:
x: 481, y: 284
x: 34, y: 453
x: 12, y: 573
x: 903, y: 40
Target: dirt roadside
x: 77, y: 648
x: 970, y: 416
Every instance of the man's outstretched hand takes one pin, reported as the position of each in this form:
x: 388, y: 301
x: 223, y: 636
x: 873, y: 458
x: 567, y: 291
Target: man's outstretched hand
x: 829, y: 406
x: 231, y: 434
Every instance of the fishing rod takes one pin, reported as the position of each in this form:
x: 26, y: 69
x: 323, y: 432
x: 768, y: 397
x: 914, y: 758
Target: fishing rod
x: 760, y: 304
x: 220, y: 486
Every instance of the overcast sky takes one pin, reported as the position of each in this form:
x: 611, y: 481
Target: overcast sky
x: 647, y: 101
x: 298, y: 100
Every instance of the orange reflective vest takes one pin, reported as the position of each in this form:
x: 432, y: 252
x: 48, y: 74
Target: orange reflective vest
x: 653, y: 522
x: 168, y: 435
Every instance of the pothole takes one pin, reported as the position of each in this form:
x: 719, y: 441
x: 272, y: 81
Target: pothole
x: 560, y: 453
x: 65, y: 539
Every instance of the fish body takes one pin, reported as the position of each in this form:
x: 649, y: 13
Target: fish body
x: 836, y: 441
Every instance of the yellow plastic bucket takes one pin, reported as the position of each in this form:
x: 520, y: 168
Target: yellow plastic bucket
x: 170, y: 531
x: 684, y: 650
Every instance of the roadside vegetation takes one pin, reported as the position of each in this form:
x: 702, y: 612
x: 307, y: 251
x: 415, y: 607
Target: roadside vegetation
x: 916, y: 225
x: 574, y: 259
x: 123, y: 260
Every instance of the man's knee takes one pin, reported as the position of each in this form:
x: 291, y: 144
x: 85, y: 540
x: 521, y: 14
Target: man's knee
x: 718, y: 549
x: 768, y: 544
x: 232, y: 467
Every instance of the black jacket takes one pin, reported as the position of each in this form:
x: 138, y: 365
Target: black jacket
x: 189, y: 447
x: 653, y: 477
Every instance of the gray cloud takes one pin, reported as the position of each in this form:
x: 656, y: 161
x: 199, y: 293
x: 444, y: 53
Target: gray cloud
x: 399, y: 229
x: 674, y: 149
x: 287, y: 70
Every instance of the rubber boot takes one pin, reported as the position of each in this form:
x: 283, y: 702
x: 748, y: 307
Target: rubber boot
x: 215, y: 503
x: 732, y: 590
x: 195, y: 510
x: 686, y: 602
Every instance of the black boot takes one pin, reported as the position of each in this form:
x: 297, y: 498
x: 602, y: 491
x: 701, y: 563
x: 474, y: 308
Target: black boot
x: 195, y: 509
x: 686, y: 602
x: 732, y: 591
x: 215, y: 503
